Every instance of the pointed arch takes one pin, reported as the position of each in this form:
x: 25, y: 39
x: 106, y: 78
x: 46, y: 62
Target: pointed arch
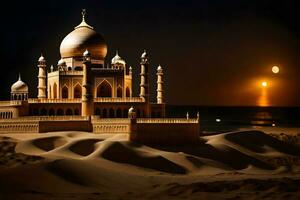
x: 111, y: 113
x: 119, y: 91
x: 119, y: 113
x: 51, y: 112
x: 55, y: 91
x: 77, y: 91
x: 125, y: 113
x: 50, y: 92
x: 69, y: 112
x: 43, y: 112
x: 127, y: 92
x: 76, y: 111
x: 64, y: 92
x: 104, y: 89
x: 60, y: 111
x: 104, y: 113
x: 97, y: 111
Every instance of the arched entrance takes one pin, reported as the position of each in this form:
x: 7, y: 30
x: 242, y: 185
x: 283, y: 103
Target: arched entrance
x: 104, y: 113
x: 111, y: 113
x: 104, y: 89
x: 119, y: 113
x: 69, y: 112
x: 119, y: 92
x: 64, y: 92
x: 77, y: 91
x: 55, y: 91
x: 60, y: 112
x: 127, y: 92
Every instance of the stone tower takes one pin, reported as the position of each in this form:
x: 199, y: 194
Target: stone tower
x: 87, y: 94
x: 42, y: 78
x: 144, y: 86
x: 159, y: 90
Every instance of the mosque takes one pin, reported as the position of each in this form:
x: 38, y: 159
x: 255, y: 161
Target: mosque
x: 83, y: 84
x: 84, y: 93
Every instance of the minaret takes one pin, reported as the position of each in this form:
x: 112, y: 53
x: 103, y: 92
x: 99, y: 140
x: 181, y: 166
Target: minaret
x: 144, y: 86
x: 87, y: 106
x: 159, y: 90
x: 42, y: 78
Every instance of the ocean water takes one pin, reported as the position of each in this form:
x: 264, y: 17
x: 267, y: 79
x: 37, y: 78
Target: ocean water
x: 217, y: 118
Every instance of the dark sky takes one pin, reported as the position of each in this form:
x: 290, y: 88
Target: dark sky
x: 214, y: 52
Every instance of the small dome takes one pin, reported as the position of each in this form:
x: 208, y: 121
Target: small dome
x: 61, y: 62
x: 81, y: 38
x: 19, y: 86
x: 159, y: 68
x: 131, y: 110
x: 41, y: 58
x: 144, y: 54
x: 117, y: 60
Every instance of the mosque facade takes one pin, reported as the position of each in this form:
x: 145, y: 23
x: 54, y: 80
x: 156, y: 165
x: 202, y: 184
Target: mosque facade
x: 82, y: 93
x: 83, y: 84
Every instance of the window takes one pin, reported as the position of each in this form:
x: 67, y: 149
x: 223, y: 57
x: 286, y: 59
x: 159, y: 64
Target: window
x: 119, y: 92
x: 127, y: 92
x: 64, y: 92
x: 77, y: 91
x: 104, y: 90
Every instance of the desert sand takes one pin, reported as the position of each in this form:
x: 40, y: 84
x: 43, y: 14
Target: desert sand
x: 79, y: 165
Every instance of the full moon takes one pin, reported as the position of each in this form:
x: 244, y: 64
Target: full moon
x: 275, y: 69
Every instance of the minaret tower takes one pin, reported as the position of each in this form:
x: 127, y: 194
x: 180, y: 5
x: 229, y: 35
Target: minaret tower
x: 159, y: 90
x: 144, y: 86
x: 42, y: 78
x: 87, y: 106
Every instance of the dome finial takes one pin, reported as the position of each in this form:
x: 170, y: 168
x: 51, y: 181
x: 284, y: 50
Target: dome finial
x: 83, y: 13
x: 83, y: 23
x: 19, y: 76
x: 117, y: 53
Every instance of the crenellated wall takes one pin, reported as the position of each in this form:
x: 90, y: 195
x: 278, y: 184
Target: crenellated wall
x: 156, y: 131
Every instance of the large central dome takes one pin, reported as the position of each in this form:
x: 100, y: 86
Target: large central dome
x: 81, y: 38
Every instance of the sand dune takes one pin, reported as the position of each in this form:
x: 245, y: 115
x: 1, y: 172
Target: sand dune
x: 106, y: 166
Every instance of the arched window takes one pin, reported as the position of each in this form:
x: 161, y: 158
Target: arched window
x: 125, y: 113
x: 35, y: 111
x: 51, y: 112
x: 119, y: 92
x: 60, y: 111
x: 55, y: 91
x: 119, y: 113
x: 104, y: 89
x: 111, y: 113
x: 104, y: 113
x: 64, y: 92
x: 50, y: 94
x: 77, y: 91
x: 76, y: 112
x: 43, y: 112
x: 69, y: 112
x: 78, y: 68
x: 97, y: 111
x: 127, y: 92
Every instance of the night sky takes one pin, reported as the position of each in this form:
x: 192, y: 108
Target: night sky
x: 214, y: 52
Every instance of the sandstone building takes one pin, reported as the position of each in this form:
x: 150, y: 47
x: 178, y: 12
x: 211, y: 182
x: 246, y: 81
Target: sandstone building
x: 84, y: 93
